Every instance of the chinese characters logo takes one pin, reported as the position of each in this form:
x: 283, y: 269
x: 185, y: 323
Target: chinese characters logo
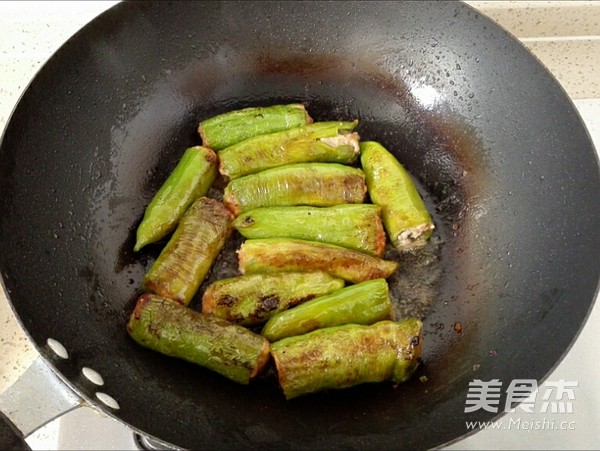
x: 557, y: 396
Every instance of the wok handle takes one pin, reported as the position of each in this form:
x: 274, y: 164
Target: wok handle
x: 40, y: 396
x: 37, y: 397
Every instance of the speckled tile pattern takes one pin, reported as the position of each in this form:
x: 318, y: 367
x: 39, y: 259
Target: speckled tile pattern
x: 26, y: 43
x: 574, y: 63
x: 16, y: 350
x: 564, y: 35
x: 536, y: 19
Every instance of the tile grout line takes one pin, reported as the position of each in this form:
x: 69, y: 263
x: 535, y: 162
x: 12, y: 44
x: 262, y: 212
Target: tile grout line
x: 586, y: 38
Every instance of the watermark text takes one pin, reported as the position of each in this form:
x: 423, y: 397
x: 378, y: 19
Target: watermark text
x: 515, y: 424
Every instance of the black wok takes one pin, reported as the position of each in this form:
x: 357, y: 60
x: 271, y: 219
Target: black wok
x: 496, y: 146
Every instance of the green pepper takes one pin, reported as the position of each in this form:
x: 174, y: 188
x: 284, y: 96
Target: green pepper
x: 319, y: 142
x: 227, y: 129
x: 251, y: 299
x: 188, y: 256
x: 317, y: 184
x: 192, y: 177
x: 364, y: 303
x: 285, y: 255
x: 404, y: 213
x: 344, y: 356
x: 172, y: 329
x: 355, y: 226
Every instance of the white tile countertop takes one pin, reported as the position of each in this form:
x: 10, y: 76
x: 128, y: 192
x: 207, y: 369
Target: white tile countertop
x: 564, y: 35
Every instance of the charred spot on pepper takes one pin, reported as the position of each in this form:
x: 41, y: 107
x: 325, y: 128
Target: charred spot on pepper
x: 248, y: 220
x: 414, y: 342
x: 227, y: 300
x: 269, y: 302
x: 211, y: 157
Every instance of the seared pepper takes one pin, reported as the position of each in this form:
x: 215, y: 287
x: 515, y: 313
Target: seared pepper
x: 188, y: 256
x: 251, y: 299
x: 344, y: 356
x: 319, y: 142
x: 170, y: 328
x: 364, y: 303
x: 316, y: 184
x: 283, y: 254
x: 227, y: 129
x: 390, y: 186
x: 355, y: 226
x: 192, y: 177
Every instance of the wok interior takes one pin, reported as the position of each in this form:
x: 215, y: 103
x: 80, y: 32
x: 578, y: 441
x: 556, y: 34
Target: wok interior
x: 426, y: 80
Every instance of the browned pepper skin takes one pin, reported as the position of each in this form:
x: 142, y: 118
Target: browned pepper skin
x: 355, y: 226
x: 188, y: 256
x: 227, y: 129
x: 283, y: 254
x: 170, y: 328
x: 405, y: 216
x: 252, y: 299
x: 322, y: 141
x: 316, y: 184
x: 344, y: 356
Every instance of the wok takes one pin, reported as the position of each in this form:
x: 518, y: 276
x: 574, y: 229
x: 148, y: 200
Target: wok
x: 492, y: 140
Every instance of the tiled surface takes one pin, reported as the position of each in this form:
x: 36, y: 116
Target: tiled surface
x: 563, y: 35
x: 535, y: 19
x: 575, y: 63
